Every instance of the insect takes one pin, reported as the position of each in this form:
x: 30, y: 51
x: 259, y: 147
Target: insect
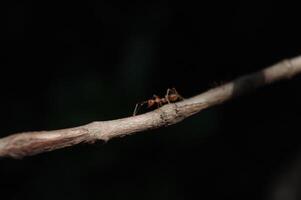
x: 171, y: 96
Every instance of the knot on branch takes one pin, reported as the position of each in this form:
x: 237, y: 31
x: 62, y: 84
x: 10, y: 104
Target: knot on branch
x: 169, y: 114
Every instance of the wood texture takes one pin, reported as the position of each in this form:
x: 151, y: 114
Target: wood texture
x: 31, y: 143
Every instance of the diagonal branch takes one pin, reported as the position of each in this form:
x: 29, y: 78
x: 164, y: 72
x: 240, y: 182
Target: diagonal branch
x: 31, y: 143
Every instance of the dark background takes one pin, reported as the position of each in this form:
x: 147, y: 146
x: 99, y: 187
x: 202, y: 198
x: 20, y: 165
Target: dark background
x: 67, y: 64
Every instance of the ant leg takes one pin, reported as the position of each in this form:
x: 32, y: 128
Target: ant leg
x: 138, y: 106
x: 167, y: 95
x: 176, y: 92
x: 136, y: 109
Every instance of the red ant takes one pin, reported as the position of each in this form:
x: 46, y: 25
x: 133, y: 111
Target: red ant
x: 171, y: 96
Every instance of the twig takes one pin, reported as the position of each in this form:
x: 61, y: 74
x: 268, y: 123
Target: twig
x: 31, y: 143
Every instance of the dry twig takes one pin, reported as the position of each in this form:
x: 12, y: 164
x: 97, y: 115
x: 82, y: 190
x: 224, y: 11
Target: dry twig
x: 31, y: 143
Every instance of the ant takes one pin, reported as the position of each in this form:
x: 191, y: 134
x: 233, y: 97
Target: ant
x: 171, y: 96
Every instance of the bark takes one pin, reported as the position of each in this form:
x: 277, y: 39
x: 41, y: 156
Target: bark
x: 31, y: 143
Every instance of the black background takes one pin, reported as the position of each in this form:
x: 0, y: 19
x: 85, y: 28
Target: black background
x: 66, y: 64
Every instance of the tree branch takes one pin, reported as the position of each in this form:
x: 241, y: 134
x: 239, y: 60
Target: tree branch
x: 31, y: 143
